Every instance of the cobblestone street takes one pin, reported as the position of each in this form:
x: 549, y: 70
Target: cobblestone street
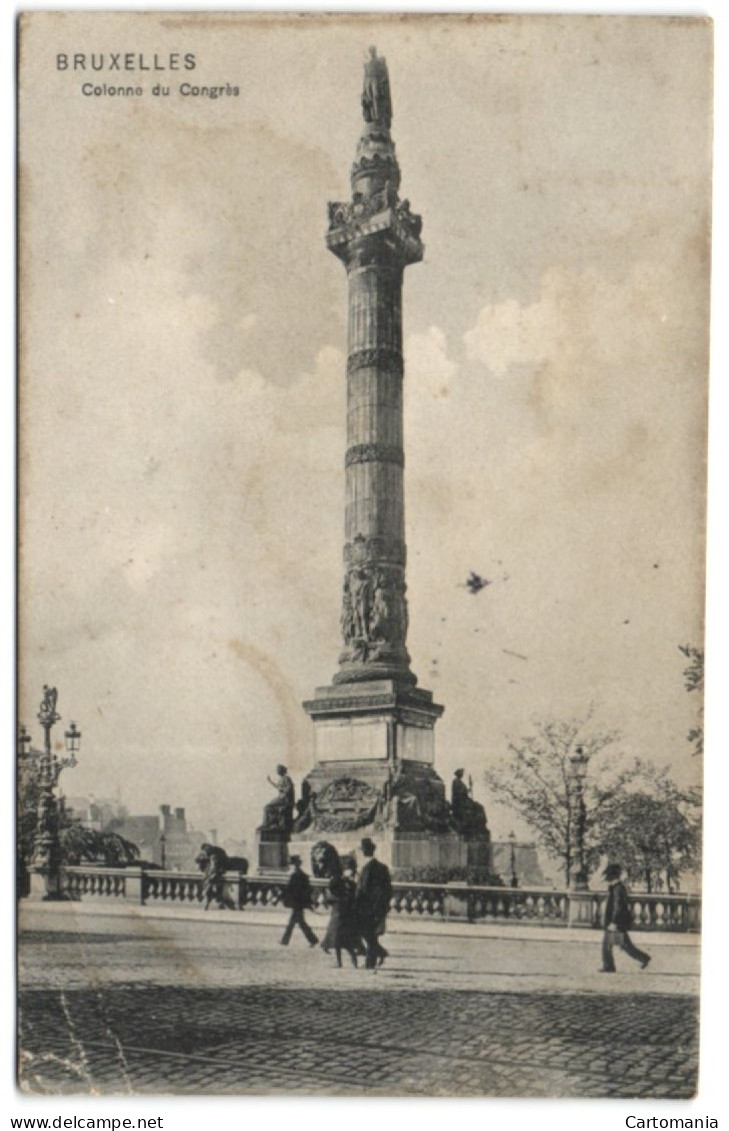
x: 130, y: 1005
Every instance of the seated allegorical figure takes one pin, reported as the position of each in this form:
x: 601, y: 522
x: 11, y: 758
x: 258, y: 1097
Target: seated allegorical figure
x: 469, y: 817
x: 278, y: 815
x: 412, y: 801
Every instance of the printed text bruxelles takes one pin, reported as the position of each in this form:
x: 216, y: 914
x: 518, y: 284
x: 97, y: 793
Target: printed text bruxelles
x: 126, y: 61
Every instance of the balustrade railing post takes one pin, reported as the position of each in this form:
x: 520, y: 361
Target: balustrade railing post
x: 235, y: 888
x: 457, y: 901
x: 134, y: 885
x: 580, y: 911
x: 693, y: 913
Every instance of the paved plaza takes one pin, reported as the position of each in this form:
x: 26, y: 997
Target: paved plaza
x: 144, y: 1003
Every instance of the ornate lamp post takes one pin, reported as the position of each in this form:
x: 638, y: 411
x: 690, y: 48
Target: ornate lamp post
x: 162, y: 848
x: 578, y: 818
x: 73, y: 744
x: 21, y: 780
x: 45, y: 869
x: 23, y: 744
x: 514, y: 881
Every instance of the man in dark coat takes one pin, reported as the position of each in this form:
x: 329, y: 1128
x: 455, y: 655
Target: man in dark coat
x: 617, y: 922
x: 297, y: 896
x: 372, y: 902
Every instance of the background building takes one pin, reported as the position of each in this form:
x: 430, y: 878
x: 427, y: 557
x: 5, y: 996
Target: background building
x: 165, y: 839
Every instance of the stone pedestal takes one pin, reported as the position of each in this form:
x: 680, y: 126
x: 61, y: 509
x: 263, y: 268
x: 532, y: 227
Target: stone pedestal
x: 373, y: 776
x: 373, y: 724
x: 272, y: 850
x: 403, y: 852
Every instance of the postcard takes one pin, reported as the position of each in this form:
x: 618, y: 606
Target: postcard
x: 363, y: 380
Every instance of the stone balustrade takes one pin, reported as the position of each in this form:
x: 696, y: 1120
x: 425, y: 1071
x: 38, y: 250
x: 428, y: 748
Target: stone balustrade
x: 522, y: 905
x: 102, y: 883
x: 416, y: 900
x: 657, y: 911
x: 433, y: 902
x: 172, y: 887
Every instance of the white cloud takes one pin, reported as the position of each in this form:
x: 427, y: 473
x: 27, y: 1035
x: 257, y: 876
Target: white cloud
x: 601, y: 369
x: 509, y: 334
x: 427, y: 364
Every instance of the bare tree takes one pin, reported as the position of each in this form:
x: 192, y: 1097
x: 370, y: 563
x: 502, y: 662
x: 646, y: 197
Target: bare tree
x: 559, y: 781
x: 655, y: 834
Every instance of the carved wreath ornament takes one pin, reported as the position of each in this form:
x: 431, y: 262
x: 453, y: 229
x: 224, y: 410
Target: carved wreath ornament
x: 345, y: 804
x: 347, y: 789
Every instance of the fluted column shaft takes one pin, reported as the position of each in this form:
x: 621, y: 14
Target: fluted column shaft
x: 375, y: 235
x: 374, y: 608
x: 374, y: 471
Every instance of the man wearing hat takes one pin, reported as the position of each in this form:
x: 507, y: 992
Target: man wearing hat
x: 372, y: 902
x: 297, y: 896
x: 617, y: 922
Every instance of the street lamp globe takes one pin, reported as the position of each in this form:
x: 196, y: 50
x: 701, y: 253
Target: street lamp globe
x: 23, y: 742
x: 73, y: 743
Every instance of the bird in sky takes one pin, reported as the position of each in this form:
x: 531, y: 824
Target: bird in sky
x: 475, y: 583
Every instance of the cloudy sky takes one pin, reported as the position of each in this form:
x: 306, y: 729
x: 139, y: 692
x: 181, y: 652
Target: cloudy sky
x: 183, y: 389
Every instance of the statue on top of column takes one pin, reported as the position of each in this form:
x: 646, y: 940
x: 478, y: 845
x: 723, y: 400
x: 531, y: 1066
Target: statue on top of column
x: 376, y: 104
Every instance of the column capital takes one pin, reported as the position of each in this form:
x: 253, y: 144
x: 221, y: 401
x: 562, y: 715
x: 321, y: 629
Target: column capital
x: 374, y: 233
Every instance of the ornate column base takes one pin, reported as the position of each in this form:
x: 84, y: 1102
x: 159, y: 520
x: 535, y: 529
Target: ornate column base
x: 357, y: 670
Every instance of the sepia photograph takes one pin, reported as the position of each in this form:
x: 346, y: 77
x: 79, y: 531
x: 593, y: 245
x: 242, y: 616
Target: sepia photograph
x: 360, y: 684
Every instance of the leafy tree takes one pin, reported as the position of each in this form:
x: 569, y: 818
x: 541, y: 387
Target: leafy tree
x: 655, y: 834
x: 693, y: 678
x: 537, y: 781
x: 80, y: 844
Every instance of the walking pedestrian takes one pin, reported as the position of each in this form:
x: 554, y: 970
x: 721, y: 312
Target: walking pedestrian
x: 213, y: 861
x: 372, y: 902
x: 617, y: 921
x: 342, y: 933
x: 297, y: 896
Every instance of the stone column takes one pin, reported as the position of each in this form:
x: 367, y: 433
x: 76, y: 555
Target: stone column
x: 376, y: 237
x: 374, y: 741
